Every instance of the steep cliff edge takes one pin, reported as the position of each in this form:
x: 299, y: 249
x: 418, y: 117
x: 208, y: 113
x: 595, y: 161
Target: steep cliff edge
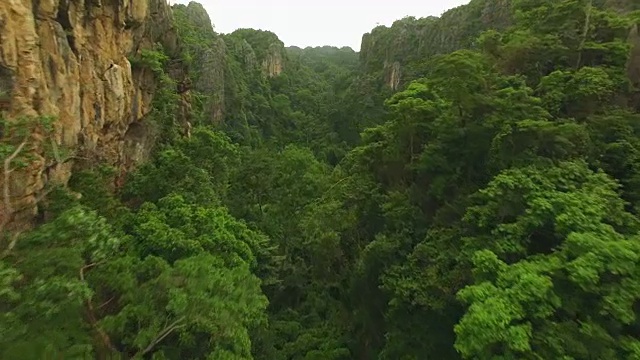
x: 396, y: 54
x: 230, y: 73
x: 68, y: 59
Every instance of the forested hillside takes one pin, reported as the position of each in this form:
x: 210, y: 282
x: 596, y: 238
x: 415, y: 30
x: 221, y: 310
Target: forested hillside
x: 466, y: 187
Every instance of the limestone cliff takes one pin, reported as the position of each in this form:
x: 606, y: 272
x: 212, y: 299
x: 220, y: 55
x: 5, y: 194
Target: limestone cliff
x: 394, y: 54
x: 273, y: 62
x: 69, y: 59
x: 393, y: 74
x: 269, y: 50
x: 227, y: 69
x: 207, y: 55
x: 391, y: 53
x: 633, y: 66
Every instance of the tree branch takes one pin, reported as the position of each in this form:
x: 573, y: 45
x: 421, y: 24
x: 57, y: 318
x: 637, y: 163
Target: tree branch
x: 6, y: 195
x: 107, y: 302
x: 585, y: 33
x: 9, y: 211
x: 161, y: 336
x: 12, y: 244
x: 104, y: 337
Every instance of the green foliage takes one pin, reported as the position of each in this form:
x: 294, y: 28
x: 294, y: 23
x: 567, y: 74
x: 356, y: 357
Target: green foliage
x: 480, y: 120
x: 95, y: 186
x: 19, y: 136
x: 197, y: 167
x: 161, y: 287
x: 569, y: 290
x: 485, y: 209
x: 47, y: 319
x: 25, y: 142
x: 193, y: 34
x: 152, y: 59
x: 262, y: 42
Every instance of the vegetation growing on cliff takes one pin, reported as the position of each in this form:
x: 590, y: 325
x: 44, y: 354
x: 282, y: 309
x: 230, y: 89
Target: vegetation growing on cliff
x: 488, y: 209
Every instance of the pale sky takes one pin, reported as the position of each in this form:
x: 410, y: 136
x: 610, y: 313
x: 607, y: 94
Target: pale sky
x: 319, y: 22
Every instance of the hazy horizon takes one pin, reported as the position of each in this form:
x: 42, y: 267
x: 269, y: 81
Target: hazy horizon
x: 329, y: 22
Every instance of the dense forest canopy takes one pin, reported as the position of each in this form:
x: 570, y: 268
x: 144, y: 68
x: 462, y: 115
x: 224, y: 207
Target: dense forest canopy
x: 466, y: 187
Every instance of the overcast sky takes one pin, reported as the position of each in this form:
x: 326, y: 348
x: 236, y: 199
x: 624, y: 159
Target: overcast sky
x: 318, y: 22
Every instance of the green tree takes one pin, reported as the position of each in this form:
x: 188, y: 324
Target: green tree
x: 555, y: 268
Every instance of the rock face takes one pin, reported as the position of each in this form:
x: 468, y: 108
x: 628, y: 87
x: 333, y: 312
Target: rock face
x: 212, y: 80
x: 208, y: 53
x: 633, y: 66
x: 392, y: 74
x: 273, y: 62
x: 69, y: 59
x: 389, y: 51
x: 224, y: 67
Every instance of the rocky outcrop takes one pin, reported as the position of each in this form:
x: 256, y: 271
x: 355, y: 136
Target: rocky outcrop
x: 197, y: 16
x: 69, y: 59
x: 409, y: 41
x: 268, y: 49
x: 224, y: 67
x: 212, y: 80
x: 393, y: 74
x: 273, y: 63
x: 208, y: 56
x: 633, y: 66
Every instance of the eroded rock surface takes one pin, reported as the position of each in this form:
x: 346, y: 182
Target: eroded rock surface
x: 69, y: 59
